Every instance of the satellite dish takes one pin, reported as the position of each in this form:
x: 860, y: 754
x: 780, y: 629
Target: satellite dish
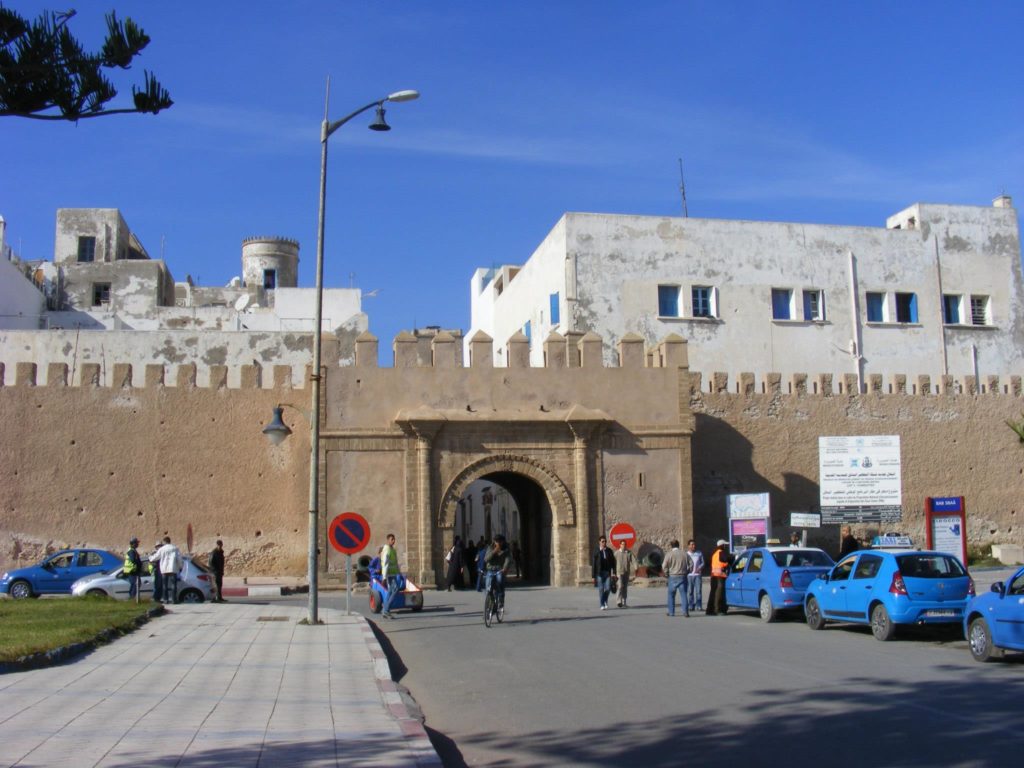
x: 242, y: 303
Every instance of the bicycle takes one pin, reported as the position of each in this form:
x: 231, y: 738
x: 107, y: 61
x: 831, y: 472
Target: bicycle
x: 494, y: 606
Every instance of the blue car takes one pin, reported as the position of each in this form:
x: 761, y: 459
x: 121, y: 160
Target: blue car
x: 996, y: 619
x: 55, y: 574
x: 888, y: 588
x: 773, y: 579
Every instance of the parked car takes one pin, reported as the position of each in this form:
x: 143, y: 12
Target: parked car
x: 409, y: 595
x: 885, y: 588
x: 995, y: 620
x: 195, y: 583
x: 54, y: 574
x: 773, y: 579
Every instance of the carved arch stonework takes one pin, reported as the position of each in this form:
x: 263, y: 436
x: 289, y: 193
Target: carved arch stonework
x: 562, y: 510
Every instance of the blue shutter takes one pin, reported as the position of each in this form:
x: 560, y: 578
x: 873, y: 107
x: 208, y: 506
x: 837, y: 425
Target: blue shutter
x: 668, y: 301
x: 874, y: 301
x: 913, y: 307
x: 555, y: 317
x: 780, y: 304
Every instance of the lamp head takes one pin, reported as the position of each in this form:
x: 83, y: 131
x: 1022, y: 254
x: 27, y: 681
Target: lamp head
x: 403, y: 96
x: 379, y: 123
x: 276, y: 431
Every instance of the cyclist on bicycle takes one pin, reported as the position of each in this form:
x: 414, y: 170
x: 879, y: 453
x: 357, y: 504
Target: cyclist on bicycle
x: 497, y: 563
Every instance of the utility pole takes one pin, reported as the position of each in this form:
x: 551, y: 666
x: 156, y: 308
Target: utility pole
x: 682, y: 188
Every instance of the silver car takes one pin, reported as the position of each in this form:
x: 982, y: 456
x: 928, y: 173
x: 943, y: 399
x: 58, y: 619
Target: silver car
x: 195, y: 583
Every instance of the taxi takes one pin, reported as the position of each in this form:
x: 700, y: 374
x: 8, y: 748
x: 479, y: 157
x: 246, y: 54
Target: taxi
x: 994, y: 621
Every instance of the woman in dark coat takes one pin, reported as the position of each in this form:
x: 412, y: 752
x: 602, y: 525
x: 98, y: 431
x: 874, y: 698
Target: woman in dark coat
x: 454, y: 558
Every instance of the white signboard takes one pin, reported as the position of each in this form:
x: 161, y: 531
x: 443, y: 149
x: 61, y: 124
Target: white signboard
x: 860, y: 479
x: 948, y: 535
x: 748, y: 506
x: 804, y: 520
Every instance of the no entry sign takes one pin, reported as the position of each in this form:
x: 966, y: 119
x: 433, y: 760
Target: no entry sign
x: 622, y: 532
x: 349, y: 533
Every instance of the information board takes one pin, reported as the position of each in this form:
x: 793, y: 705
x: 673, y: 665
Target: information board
x: 860, y: 479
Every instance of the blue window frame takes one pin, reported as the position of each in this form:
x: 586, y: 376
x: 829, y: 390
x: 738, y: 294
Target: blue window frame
x: 876, y: 307
x: 951, y: 309
x: 781, y: 300
x: 668, y: 300
x: 527, y: 331
x: 555, y: 314
x: 906, y: 307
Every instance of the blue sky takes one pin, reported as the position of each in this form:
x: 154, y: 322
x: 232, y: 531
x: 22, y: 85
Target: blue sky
x: 830, y: 112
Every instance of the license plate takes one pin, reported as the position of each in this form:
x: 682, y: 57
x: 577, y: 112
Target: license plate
x: 947, y: 612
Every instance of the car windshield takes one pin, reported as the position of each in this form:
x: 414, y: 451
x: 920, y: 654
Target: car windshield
x: 795, y: 558
x: 929, y: 566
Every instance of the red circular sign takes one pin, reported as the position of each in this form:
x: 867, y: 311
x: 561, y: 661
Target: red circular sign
x: 622, y: 532
x: 349, y: 533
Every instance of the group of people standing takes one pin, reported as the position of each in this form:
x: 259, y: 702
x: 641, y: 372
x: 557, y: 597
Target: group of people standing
x: 612, y: 570
x: 466, y: 564
x: 165, y: 564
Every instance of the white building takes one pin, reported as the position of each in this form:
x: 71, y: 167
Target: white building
x: 103, y: 299
x: 937, y: 291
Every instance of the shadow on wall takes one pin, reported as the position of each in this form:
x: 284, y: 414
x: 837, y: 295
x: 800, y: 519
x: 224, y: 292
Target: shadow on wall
x: 723, y: 465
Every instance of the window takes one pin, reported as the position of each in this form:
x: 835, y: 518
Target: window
x: 86, y: 248
x: 62, y: 561
x: 739, y: 565
x: 269, y: 279
x: 555, y: 314
x: 979, y: 310
x: 814, y: 305
x: 89, y: 559
x: 842, y: 571
x: 876, y: 307
x: 100, y: 294
x: 782, y: 299
x: 668, y: 301
x: 906, y: 307
x: 703, y: 297
x: 867, y: 567
x: 527, y: 331
x: 951, y: 309
x: 756, y: 561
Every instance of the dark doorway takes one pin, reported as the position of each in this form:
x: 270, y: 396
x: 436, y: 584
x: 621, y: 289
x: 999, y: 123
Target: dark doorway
x: 526, y: 522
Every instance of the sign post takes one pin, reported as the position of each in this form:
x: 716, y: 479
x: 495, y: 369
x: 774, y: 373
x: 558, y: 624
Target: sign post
x: 750, y: 520
x: 622, y: 532
x: 946, y: 525
x: 349, y: 533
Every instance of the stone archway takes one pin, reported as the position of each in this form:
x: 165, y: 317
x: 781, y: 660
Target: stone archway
x: 541, y: 521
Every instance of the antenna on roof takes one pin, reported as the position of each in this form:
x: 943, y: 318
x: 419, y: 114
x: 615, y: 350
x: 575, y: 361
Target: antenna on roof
x: 682, y: 188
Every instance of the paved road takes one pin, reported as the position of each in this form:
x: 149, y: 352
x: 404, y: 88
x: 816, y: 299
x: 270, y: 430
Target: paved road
x: 563, y: 683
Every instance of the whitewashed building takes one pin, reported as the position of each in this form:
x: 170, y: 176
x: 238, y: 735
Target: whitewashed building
x: 937, y: 291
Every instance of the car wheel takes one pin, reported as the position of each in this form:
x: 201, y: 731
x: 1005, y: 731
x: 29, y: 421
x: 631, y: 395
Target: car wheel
x: 979, y: 639
x: 20, y: 590
x: 97, y: 593
x: 814, y: 618
x: 190, y: 596
x: 881, y: 625
x: 375, y: 601
x: 766, y: 608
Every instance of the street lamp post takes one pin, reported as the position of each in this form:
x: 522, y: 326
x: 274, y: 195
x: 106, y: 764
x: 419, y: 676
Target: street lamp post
x: 275, y: 433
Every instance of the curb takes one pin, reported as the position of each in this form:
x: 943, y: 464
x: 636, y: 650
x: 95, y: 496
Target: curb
x: 411, y: 723
x: 68, y: 652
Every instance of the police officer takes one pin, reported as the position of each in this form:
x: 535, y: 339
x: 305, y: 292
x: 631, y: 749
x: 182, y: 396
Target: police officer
x: 133, y: 568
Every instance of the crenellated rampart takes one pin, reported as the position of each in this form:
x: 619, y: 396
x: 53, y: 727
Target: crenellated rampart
x: 97, y: 452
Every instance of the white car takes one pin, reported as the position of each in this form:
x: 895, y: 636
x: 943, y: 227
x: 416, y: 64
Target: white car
x: 195, y: 583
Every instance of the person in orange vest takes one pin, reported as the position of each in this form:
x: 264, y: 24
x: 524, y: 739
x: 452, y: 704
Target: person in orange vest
x: 720, y: 561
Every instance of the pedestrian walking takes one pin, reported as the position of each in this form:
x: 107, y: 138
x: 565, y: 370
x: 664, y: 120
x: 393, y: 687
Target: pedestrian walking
x: 168, y: 558
x: 624, y: 565
x: 154, y: 569
x: 694, y: 577
x: 517, y: 558
x: 390, y: 571
x: 133, y: 569
x: 217, y: 566
x: 676, y: 566
x: 469, y: 561
x: 454, y: 560
x: 720, y: 560
x: 795, y: 539
x: 481, y: 564
x: 603, y: 568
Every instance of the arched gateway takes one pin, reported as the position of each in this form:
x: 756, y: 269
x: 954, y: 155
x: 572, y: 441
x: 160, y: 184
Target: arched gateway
x: 576, y: 445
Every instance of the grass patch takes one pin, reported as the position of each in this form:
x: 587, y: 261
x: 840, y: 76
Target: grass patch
x: 34, y: 626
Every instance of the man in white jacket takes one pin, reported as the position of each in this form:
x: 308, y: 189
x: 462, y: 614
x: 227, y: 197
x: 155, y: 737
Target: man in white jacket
x: 168, y: 559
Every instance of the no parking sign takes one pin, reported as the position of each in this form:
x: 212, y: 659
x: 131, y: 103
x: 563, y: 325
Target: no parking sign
x: 349, y: 533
